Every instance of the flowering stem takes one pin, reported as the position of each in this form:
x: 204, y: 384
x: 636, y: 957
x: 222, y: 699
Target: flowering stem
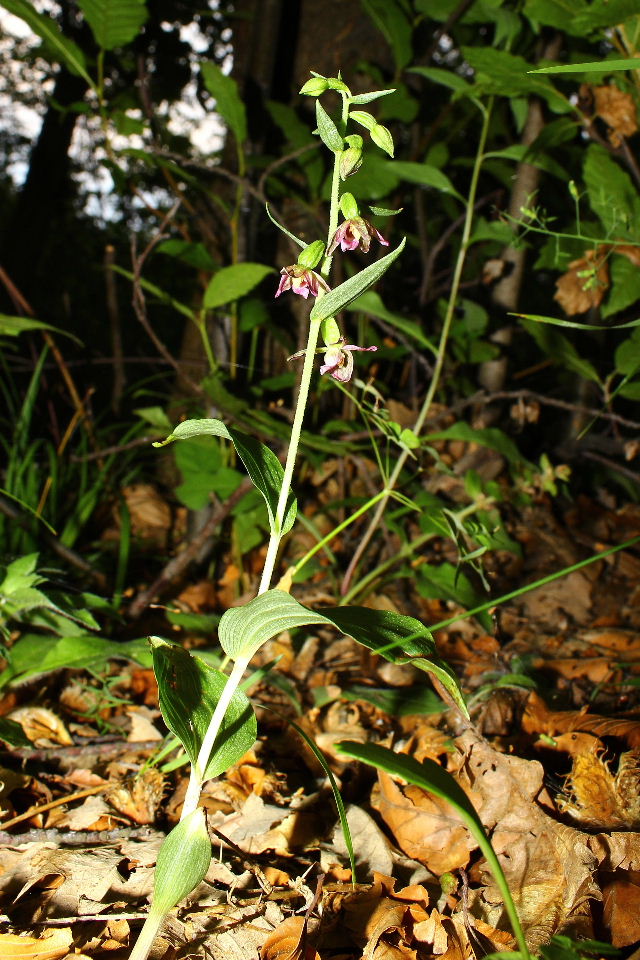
x: 440, y: 357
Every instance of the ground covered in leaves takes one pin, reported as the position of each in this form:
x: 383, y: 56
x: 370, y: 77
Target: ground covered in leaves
x: 550, y: 760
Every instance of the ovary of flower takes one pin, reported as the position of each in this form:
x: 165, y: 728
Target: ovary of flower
x: 354, y: 233
x: 338, y: 360
x: 301, y: 280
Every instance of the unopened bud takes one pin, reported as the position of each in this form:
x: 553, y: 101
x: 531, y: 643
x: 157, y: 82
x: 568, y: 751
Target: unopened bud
x: 330, y: 331
x: 310, y: 256
x: 351, y: 159
x: 314, y: 87
x: 349, y: 206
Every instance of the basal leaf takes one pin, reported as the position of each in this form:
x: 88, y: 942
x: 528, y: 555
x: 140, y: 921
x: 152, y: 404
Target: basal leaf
x: 262, y: 465
x: 114, y: 23
x: 189, y: 690
x: 229, y: 104
x: 342, y: 295
x: 231, y: 283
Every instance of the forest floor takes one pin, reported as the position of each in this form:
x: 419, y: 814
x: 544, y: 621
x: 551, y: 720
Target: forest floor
x: 550, y: 760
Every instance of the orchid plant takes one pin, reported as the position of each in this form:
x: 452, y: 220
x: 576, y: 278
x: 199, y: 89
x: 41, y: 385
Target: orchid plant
x: 203, y: 706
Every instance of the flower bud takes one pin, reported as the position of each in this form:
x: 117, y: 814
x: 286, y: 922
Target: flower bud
x: 311, y: 255
x: 351, y: 159
x: 314, y: 87
x: 182, y: 862
x: 330, y: 331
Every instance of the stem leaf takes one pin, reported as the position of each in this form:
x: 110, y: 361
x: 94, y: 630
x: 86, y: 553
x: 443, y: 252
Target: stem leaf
x: 327, y: 129
x: 262, y: 465
x: 189, y: 690
x: 342, y: 295
x: 183, y: 861
x: 48, y: 30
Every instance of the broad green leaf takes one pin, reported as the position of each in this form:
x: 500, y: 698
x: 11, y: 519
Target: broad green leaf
x: 426, y: 176
x: 13, y: 733
x: 430, y: 776
x: 394, y: 24
x: 13, y: 326
x: 627, y: 356
x: 262, y: 465
x: 490, y: 437
x: 189, y: 690
x: 597, y: 66
x: 243, y: 630
x: 182, y: 863
x: 365, y: 119
x: 34, y: 654
x: 560, y: 14
x: 602, y: 14
x: 417, y: 699
x: 625, y: 286
x: 328, y: 130
x: 45, y: 27
x: 446, y: 78
x: 344, y: 294
x: 612, y: 194
x: 232, y: 283
x: 504, y: 74
x: 371, y: 303
x: 114, y: 23
x: 229, y: 104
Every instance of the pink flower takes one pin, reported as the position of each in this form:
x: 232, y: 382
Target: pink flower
x: 353, y: 233
x: 338, y: 360
x: 301, y: 280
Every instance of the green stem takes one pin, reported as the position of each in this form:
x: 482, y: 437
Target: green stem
x: 150, y: 930
x: 442, y: 346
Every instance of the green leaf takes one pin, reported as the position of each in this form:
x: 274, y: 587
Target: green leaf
x: 573, y: 324
x: 431, y: 777
x: 232, y: 283
x: 392, y: 21
x: 490, y: 437
x: 328, y: 130
x: 243, y: 630
x: 371, y: 303
x: 13, y: 733
x: 625, y: 286
x: 229, y: 104
x: 561, y: 351
x: 262, y: 465
x: 382, y: 138
x: 182, y: 862
x: 612, y: 194
x: 366, y: 120
x: 368, y: 97
x: 500, y: 73
x: 189, y: 690
x: 627, y: 356
x: 397, y: 701
x: 34, y: 655
x: 45, y: 27
x: 426, y: 176
x: 597, y: 66
x: 14, y: 326
x: 284, y: 230
x: 344, y: 294
x: 114, y: 23
x: 445, y: 78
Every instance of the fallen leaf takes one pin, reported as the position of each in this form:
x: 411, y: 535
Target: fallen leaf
x: 290, y: 941
x: 140, y: 798
x: 52, y: 945
x: 584, y: 284
x: 538, y: 718
x: 42, y: 726
x: 618, y: 110
x: 621, y: 909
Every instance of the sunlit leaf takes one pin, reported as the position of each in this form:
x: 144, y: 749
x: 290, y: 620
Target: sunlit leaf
x: 189, y: 690
x: 231, y: 283
x: 341, y: 296
x: 229, y: 104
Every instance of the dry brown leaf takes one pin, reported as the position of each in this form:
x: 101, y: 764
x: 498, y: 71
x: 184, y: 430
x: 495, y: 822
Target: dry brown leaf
x: 290, y: 941
x: 42, y: 726
x: 142, y: 725
x: 616, y: 851
x: 150, y: 513
x: 371, y: 847
x: 569, y: 595
x: 584, y: 284
x: 621, y: 907
x: 593, y: 795
x: 539, y: 719
x: 424, y: 827
x: 52, y: 945
x: 618, y: 110
x: 139, y: 800
x: 197, y: 597
x: 93, y: 814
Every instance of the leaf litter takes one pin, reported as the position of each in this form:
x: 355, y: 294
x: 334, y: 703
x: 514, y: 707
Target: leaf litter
x: 551, y: 765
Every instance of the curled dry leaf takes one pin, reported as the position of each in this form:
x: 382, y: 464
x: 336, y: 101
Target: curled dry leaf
x: 539, y: 719
x: 291, y: 940
x: 139, y: 800
x: 618, y: 110
x: 584, y: 284
x: 52, y: 945
x: 42, y: 726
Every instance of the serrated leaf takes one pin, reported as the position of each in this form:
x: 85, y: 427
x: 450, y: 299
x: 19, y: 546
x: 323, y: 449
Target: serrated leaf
x: 342, y: 295
x: 229, y: 104
x: 262, y: 465
x: 189, y: 690
x: 327, y: 129
x: 232, y: 283
x: 114, y: 23
x: 45, y: 27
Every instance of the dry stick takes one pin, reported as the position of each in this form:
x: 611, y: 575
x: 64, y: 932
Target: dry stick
x: 115, y: 327
x: 179, y: 563
x: 439, y: 364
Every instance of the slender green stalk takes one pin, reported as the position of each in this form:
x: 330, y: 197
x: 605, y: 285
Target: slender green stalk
x: 442, y: 346
x: 149, y: 932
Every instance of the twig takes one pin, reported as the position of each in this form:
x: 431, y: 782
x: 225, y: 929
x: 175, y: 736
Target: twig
x: 178, y: 564
x: 612, y: 465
